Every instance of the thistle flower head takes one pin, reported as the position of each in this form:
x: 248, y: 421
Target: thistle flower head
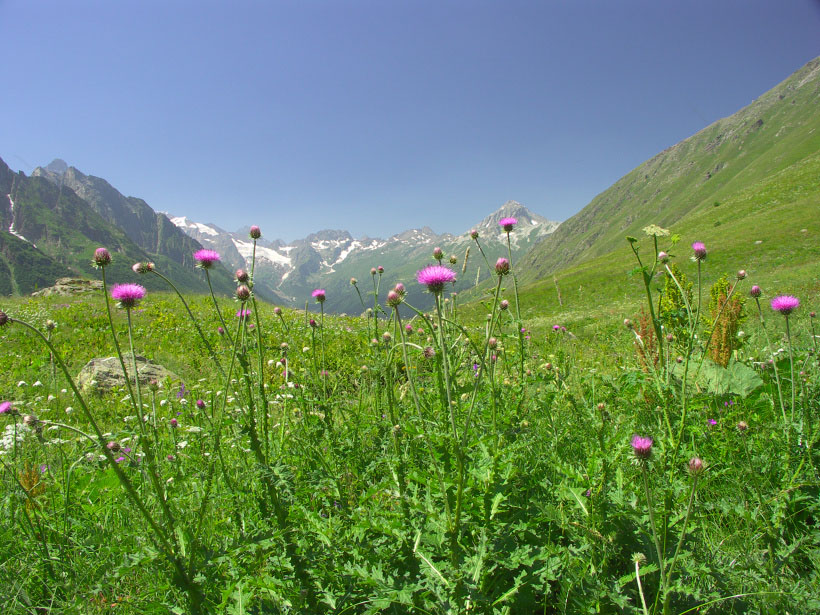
x: 372, y: 271
x: 699, y: 250
x: 143, y: 267
x: 502, y: 266
x: 453, y: 259
x: 277, y: 310
x: 255, y: 232
x: 785, y: 304
x: 128, y: 295
x: 741, y: 274
x: 380, y: 269
x: 206, y: 258
x: 504, y: 305
x: 353, y: 281
x: 5, y: 407
x: 663, y: 257
x: 642, y: 447
x: 393, y: 298
x: 473, y: 234
x: 435, y: 277
x: 507, y: 224
x: 243, y: 293
x: 438, y: 253
x: 200, y: 404
x: 755, y: 291
x: 313, y: 323
x: 319, y: 295
x: 243, y: 313
x: 400, y: 290
x: 695, y: 466
x: 242, y: 276
x: 102, y: 257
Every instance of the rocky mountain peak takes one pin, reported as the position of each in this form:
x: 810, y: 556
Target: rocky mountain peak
x: 512, y: 209
x: 57, y: 166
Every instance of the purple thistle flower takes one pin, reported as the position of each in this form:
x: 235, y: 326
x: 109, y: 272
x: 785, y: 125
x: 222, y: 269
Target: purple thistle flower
x: 393, y: 298
x: 700, y: 250
x: 5, y: 407
x: 206, y: 258
x: 173, y: 423
x: 243, y: 313
x: 128, y: 295
x: 438, y: 253
x: 712, y: 422
x: 220, y: 330
x: 474, y: 234
x: 504, y: 304
x: 642, y: 447
x: 256, y: 232
x: 102, y: 257
x: 242, y: 276
x: 435, y: 277
x: 502, y: 266
x: 785, y: 304
x: 695, y: 466
x: 507, y: 224
x: 755, y: 291
x: 243, y: 293
x: 200, y: 404
x: 556, y: 327
x: 380, y: 269
x: 319, y: 295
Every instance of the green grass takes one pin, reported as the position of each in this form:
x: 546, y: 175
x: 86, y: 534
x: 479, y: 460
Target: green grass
x: 342, y: 496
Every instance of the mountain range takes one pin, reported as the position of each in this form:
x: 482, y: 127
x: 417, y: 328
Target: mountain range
x: 54, y: 220
x: 330, y: 258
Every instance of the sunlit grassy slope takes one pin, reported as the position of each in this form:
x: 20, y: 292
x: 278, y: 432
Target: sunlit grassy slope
x: 776, y: 131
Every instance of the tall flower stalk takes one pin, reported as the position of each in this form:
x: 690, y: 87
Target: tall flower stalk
x: 205, y: 260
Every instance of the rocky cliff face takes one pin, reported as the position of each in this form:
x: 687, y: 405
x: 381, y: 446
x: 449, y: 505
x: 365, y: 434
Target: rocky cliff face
x: 150, y: 230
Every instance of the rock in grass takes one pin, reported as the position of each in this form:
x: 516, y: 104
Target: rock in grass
x: 70, y: 286
x: 104, y: 374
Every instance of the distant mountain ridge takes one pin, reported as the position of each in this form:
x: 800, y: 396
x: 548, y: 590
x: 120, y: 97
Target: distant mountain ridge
x: 329, y: 258
x: 54, y: 219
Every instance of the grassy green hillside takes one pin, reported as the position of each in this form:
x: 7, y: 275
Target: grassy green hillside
x: 770, y: 228
x: 686, y: 181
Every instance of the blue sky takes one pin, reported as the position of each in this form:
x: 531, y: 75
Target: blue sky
x: 378, y: 116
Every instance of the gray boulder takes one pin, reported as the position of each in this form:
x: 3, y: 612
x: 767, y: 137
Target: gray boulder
x: 70, y: 286
x: 104, y: 374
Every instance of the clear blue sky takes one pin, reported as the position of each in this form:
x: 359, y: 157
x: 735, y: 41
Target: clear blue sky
x: 378, y: 116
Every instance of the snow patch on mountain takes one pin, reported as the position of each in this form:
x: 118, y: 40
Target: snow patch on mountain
x: 12, y: 230
x: 183, y: 223
x: 245, y: 248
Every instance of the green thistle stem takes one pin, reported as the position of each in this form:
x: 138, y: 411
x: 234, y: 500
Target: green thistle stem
x: 216, y: 306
